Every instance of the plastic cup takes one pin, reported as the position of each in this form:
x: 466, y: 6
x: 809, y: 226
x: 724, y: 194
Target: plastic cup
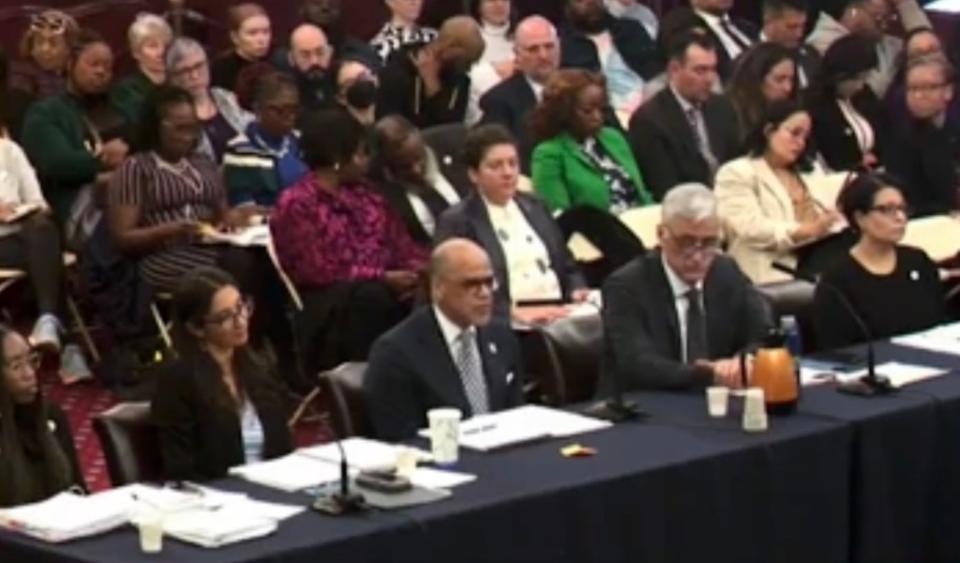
x: 150, y: 525
x: 407, y: 461
x: 445, y: 435
x: 718, y: 398
x: 754, y: 411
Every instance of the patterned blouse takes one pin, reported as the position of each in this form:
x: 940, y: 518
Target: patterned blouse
x: 391, y: 37
x: 323, y: 238
x: 623, y: 192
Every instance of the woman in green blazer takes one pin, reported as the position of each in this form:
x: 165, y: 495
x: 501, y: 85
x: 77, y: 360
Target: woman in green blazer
x: 578, y: 160
x: 584, y: 170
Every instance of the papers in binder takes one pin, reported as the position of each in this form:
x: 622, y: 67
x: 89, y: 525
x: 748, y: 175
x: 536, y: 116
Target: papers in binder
x: 290, y: 473
x: 65, y: 517
x: 218, y: 528
x: 362, y: 454
x: 520, y: 425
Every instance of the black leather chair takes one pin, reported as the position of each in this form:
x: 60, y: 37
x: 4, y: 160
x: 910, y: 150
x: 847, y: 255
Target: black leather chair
x: 564, y: 358
x: 130, y: 443
x: 342, y: 387
x: 793, y: 298
x: 446, y: 142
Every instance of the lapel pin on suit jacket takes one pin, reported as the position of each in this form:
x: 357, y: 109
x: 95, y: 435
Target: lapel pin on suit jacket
x: 493, y: 348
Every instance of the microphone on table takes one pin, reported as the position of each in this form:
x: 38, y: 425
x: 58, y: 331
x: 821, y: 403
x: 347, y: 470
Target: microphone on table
x: 870, y: 384
x: 344, y: 501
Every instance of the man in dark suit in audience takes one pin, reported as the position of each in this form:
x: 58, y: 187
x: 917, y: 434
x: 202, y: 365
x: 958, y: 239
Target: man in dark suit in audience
x: 679, y: 316
x: 686, y: 131
x: 428, y: 83
x: 328, y: 16
x: 785, y: 23
x: 449, y: 354
x: 509, y: 103
x: 732, y: 36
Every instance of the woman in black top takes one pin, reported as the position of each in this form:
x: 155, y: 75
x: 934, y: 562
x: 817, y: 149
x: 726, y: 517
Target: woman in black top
x: 895, y: 289
x: 250, y: 34
x: 217, y: 405
x: 37, y: 455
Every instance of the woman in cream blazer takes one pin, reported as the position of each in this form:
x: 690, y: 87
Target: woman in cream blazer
x: 769, y: 206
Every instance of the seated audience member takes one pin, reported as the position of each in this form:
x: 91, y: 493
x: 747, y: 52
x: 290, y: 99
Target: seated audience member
x: 45, y: 48
x: 731, y: 36
x: 327, y: 15
x: 774, y: 200
x: 218, y: 404
x: 680, y: 316
x: 221, y: 116
x: 250, y: 35
x: 848, y: 119
x: 895, y: 289
x: 39, y: 459
x: 148, y: 38
x: 869, y: 19
x: 496, y: 64
x: 686, y: 131
x: 401, y: 30
x: 265, y: 159
x: 921, y: 42
x: 450, y: 354
x: 357, y: 87
x: 162, y: 195
x: 765, y: 74
x: 428, y: 83
x: 347, y: 252
x: 13, y: 103
x: 928, y: 143
x: 309, y: 60
x: 785, y: 24
x: 410, y: 179
x: 524, y: 244
x: 619, y: 49
x: 511, y: 102
x: 75, y: 139
x: 634, y: 10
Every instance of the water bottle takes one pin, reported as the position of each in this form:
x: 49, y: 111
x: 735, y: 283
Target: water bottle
x: 791, y: 331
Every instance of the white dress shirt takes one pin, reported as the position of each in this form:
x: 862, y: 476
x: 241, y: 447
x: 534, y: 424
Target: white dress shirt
x: 252, y: 432
x: 528, y: 262
x: 451, y: 332
x: 18, y: 181
x: 439, y: 184
x: 680, y: 289
x: 624, y: 86
x: 859, y: 125
x: 730, y: 45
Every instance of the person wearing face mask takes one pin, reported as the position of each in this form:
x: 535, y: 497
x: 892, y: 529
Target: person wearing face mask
x: 773, y: 201
x: 402, y: 29
x: 848, y: 119
x: 428, y: 83
x: 38, y: 457
x: 357, y: 88
x: 250, y: 34
x: 894, y: 289
x: 44, y: 51
x: 265, y: 159
x: 765, y: 74
x: 148, y: 38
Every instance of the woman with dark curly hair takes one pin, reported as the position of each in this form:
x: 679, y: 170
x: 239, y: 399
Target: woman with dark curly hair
x: 765, y: 74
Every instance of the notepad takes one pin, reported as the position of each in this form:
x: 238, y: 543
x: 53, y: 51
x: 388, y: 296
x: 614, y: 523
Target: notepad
x: 290, y: 473
x: 942, y: 339
x: 257, y: 235
x: 212, y: 529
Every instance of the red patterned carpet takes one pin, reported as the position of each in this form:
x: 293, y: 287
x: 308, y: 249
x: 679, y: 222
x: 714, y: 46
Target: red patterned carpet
x: 82, y: 401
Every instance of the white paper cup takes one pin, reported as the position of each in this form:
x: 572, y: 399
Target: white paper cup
x: 150, y: 525
x: 718, y: 398
x: 407, y: 461
x: 754, y: 411
x: 445, y: 435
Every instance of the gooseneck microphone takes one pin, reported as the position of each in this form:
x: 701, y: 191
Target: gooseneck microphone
x: 871, y: 384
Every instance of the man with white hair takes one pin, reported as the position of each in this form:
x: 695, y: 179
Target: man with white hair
x: 537, y: 48
x: 680, y: 316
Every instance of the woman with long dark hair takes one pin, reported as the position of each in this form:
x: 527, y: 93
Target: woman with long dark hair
x: 218, y: 404
x: 765, y: 74
x: 37, y: 455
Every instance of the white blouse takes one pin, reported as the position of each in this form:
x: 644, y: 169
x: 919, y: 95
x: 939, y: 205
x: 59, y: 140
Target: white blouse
x: 528, y: 263
x: 859, y: 125
x: 18, y: 180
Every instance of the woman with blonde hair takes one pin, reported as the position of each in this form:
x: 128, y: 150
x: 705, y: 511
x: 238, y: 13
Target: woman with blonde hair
x: 148, y: 38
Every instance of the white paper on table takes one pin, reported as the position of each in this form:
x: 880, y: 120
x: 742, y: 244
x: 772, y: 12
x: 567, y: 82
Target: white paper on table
x: 942, y: 339
x: 290, y: 473
x: 216, y: 528
x: 362, y: 453
x: 257, y: 235
x: 900, y: 374
x: 431, y: 478
x: 66, y: 516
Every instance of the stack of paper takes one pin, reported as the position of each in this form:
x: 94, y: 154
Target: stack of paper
x: 257, y: 235
x: 65, y: 517
x: 362, y: 454
x: 216, y: 528
x: 290, y: 473
x: 899, y: 374
x: 522, y: 424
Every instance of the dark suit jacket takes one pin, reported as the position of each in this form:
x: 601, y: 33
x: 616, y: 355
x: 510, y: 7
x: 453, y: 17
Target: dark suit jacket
x: 509, y: 104
x: 665, y: 148
x: 811, y: 62
x: 199, y: 439
x: 724, y: 61
x: 642, y: 345
x: 469, y: 219
x: 835, y: 138
x: 396, y: 196
x: 926, y: 163
x: 411, y: 371
x: 630, y: 38
x: 400, y: 85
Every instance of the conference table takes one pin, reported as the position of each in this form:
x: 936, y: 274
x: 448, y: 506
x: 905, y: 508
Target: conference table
x: 843, y: 479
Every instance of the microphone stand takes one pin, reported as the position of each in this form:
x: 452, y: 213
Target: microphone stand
x: 615, y: 409
x: 345, y: 500
x: 870, y: 384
